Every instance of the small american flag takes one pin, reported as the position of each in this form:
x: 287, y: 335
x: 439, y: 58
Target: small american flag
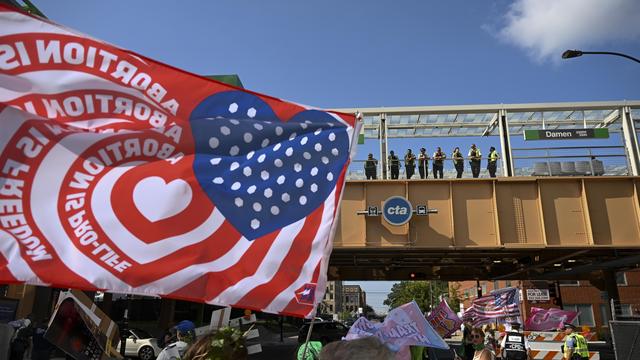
x: 127, y: 175
x: 499, y: 304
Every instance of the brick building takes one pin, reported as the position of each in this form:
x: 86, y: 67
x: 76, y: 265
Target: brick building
x: 353, y: 298
x: 580, y: 295
x: 332, y: 301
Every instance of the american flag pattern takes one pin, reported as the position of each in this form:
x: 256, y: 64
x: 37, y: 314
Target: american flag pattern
x: 123, y: 174
x: 504, y: 303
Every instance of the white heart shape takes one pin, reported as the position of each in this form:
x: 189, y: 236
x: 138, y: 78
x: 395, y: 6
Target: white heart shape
x: 157, y: 200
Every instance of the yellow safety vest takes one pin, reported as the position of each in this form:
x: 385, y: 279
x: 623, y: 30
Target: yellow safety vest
x: 580, y: 346
x: 493, y: 156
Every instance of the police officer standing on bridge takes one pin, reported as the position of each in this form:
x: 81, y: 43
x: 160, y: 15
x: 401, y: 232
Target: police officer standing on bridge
x: 394, y: 165
x: 370, y: 167
x: 514, y: 345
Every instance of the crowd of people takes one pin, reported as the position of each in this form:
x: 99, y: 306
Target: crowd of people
x: 474, y: 157
x: 487, y: 343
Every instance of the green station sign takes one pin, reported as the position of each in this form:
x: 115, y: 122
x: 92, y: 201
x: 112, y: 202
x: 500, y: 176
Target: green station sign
x: 566, y: 134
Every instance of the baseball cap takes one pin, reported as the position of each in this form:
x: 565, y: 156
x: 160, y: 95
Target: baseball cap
x: 185, y: 326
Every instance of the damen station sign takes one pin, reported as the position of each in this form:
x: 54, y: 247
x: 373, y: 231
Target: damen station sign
x: 564, y: 134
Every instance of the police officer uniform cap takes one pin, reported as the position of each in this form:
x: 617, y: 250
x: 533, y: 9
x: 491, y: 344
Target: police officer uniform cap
x: 569, y: 326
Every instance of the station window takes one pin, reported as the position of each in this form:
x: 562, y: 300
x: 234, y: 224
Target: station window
x: 585, y: 314
x: 569, y: 282
x: 621, y: 278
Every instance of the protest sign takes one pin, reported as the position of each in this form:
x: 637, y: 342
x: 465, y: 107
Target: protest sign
x: 548, y: 319
x: 444, y: 320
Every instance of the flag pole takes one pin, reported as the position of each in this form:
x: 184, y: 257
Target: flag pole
x: 306, y: 342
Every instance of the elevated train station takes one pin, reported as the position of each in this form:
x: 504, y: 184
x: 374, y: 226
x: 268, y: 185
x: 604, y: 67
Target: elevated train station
x: 532, y: 222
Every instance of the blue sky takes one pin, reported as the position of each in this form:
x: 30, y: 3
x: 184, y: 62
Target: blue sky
x: 357, y: 53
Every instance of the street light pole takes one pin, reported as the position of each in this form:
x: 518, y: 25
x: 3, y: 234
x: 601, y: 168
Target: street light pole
x: 577, y: 53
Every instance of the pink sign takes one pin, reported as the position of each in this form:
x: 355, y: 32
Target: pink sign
x: 548, y: 319
x: 444, y: 320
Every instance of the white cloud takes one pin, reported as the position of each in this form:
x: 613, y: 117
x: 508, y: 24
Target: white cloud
x: 545, y: 28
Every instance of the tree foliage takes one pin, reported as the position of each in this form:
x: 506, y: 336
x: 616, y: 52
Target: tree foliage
x: 454, y: 297
x: 425, y: 293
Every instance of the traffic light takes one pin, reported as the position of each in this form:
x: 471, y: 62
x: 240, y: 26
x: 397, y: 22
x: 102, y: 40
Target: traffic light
x: 417, y: 276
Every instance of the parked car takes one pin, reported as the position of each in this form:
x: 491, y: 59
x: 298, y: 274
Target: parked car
x: 141, y: 344
x: 325, y: 332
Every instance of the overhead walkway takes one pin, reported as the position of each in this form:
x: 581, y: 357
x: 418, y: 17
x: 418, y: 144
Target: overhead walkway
x: 505, y: 228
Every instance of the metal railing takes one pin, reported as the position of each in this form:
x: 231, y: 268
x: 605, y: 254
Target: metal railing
x: 356, y: 170
x: 627, y: 311
x: 578, y: 161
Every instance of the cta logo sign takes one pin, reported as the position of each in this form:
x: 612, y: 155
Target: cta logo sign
x: 397, y: 210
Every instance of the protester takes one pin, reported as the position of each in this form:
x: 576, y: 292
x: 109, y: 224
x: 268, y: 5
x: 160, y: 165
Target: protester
x: 42, y: 348
x: 311, y: 353
x: 423, y: 163
x: 394, y: 165
x: 467, y: 343
x: 480, y: 351
x: 474, y: 160
x: 185, y: 332
x: 409, y: 163
x: 20, y: 340
x: 514, y: 345
x: 371, y: 167
x: 575, y: 345
x: 490, y: 340
x: 367, y: 348
x: 458, y: 162
x: 225, y: 344
x: 438, y: 163
x: 168, y: 337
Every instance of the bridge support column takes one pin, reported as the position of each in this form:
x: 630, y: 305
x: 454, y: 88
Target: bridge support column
x: 630, y: 140
x: 505, y: 144
x: 383, y: 148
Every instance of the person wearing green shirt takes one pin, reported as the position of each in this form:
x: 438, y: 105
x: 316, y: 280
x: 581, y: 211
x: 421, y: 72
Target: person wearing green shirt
x: 312, y: 353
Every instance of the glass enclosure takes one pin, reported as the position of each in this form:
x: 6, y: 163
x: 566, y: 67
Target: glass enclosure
x: 563, y: 139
